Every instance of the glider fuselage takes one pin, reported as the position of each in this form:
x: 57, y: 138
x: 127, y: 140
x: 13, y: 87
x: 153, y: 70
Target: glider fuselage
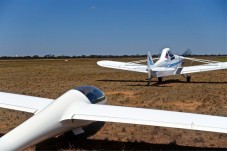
x: 47, y: 123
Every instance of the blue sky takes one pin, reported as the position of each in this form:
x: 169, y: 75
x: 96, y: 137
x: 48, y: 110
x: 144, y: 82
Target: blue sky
x: 77, y: 27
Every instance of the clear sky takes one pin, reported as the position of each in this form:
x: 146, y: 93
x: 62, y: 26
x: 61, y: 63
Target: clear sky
x: 77, y: 27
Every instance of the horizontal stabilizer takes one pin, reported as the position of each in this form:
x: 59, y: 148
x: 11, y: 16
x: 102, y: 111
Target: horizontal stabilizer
x: 158, y: 69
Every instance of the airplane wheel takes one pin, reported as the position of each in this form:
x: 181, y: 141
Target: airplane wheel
x: 188, y: 78
x: 149, y: 81
x: 159, y: 79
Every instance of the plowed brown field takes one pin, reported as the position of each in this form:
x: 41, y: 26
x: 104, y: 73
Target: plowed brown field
x: 206, y: 94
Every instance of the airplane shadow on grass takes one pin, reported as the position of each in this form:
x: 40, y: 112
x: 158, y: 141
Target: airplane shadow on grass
x: 192, y: 82
x: 86, y: 144
x: 69, y: 141
x: 109, y: 80
x: 156, y: 83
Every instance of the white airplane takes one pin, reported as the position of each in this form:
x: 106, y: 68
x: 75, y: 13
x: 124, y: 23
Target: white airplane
x: 82, y: 106
x: 168, y: 64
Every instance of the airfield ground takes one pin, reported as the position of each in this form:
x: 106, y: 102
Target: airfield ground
x: 206, y: 94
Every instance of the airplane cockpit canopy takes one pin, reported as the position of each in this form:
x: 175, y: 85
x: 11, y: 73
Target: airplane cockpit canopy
x: 171, y: 55
x: 93, y: 94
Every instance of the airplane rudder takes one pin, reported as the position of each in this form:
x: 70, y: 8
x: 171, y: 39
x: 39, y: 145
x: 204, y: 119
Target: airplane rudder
x: 149, y: 59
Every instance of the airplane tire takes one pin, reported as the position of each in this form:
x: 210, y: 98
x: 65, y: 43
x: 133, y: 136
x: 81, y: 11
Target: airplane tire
x: 188, y: 78
x: 159, y: 79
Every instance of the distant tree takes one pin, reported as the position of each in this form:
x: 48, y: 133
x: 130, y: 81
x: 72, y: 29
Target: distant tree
x: 49, y: 56
x: 26, y: 57
x: 36, y: 56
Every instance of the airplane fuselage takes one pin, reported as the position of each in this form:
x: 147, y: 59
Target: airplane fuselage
x: 168, y: 63
x: 166, y: 66
x: 46, y: 123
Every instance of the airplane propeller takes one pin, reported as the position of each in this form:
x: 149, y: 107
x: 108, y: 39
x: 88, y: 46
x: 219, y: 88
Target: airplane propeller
x: 187, y: 52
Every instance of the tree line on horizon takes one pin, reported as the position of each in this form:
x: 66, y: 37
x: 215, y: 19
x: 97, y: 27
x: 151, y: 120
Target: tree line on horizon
x: 50, y: 56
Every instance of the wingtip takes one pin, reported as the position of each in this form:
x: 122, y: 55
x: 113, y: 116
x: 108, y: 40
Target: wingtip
x: 99, y: 63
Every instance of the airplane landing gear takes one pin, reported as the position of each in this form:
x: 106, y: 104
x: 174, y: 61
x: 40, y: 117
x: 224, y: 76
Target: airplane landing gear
x: 188, y: 78
x: 159, y: 79
x: 149, y: 81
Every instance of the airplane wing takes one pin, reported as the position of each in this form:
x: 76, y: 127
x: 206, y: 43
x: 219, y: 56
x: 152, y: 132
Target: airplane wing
x: 130, y: 115
x: 24, y: 103
x: 199, y: 60
x: 129, y: 66
x: 205, y: 67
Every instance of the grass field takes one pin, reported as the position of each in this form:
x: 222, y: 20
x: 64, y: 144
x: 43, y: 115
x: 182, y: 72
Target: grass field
x: 206, y: 94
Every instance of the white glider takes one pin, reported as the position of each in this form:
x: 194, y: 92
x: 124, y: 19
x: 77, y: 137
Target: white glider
x: 168, y: 64
x: 82, y: 106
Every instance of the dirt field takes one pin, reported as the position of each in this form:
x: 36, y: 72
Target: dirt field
x: 206, y: 94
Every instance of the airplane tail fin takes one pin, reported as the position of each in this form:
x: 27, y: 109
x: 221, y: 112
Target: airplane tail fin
x: 150, y: 64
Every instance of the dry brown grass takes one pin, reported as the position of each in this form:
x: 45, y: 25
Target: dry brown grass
x: 207, y: 94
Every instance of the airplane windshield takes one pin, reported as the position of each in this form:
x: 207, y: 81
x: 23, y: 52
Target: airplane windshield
x: 93, y: 94
x: 171, y: 55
